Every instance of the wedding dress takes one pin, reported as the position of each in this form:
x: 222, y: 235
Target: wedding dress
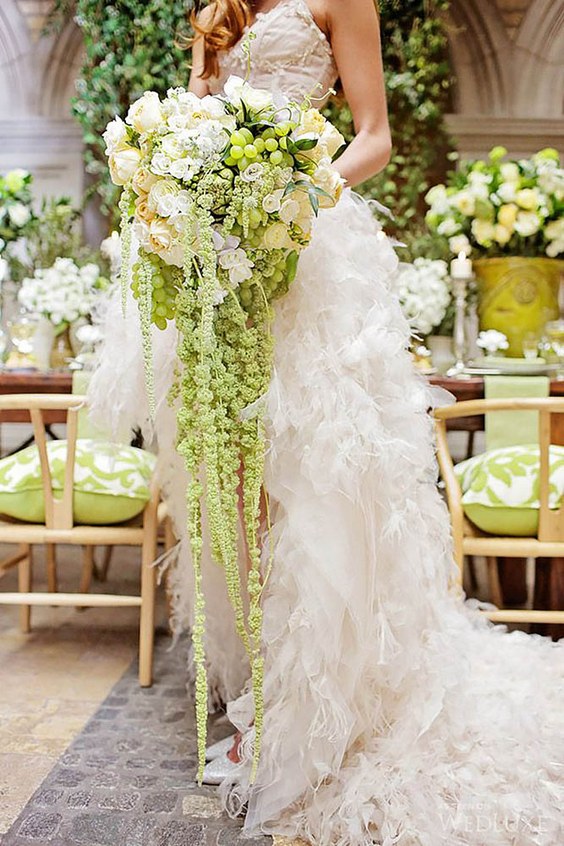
x: 395, y: 714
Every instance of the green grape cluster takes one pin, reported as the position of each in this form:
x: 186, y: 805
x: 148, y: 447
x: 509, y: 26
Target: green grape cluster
x: 269, y: 144
x: 165, y: 288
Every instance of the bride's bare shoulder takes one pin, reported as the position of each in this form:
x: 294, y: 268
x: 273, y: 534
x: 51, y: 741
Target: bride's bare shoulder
x: 346, y: 8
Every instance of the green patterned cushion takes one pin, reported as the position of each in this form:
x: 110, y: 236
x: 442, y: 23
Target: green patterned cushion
x: 500, y: 488
x: 111, y: 482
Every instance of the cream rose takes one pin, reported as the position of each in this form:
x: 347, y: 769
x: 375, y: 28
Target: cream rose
x: 123, y: 164
x: 143, y: 210
x: 483, y: 231
x: 289, y: 210
x: 161, y: 190
x: 145, y: 114
x: 276, y: 237
x: 115, y: 136
x: 502, y: 234
x: 507, y: 215
x: 527, y: 224
x: 329, y: 180
x: 311, y: 121
x: 143, y: 180
x: 528, y: 198
x: 160, y: 236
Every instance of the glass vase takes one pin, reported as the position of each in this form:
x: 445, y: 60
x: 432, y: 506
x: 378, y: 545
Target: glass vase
x: 62, y: 350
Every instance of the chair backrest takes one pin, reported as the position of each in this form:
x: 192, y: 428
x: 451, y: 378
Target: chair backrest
x: 551, y: 522
x: 58, y: 511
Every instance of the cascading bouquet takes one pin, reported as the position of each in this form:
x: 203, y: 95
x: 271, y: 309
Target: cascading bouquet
x: 220, y: 193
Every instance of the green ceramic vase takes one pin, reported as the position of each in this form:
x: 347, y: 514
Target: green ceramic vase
x: 517, y: 296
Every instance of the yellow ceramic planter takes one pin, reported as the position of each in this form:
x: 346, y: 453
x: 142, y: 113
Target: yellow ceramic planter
x: 517, y: 295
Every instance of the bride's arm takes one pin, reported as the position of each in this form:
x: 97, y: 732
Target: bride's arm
x: 354, y: 30
x: 198, y: 85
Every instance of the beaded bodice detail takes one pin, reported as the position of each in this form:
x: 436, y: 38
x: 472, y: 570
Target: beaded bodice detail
x: 289, y: 54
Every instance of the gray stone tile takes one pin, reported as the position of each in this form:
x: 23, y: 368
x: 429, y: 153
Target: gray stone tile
x: 128, y: 778
x: 41, y: 827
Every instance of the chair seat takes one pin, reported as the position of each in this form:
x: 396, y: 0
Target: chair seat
x: 129, y: 533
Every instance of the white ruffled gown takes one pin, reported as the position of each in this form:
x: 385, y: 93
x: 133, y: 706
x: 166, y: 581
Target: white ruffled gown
x: 394, y: 714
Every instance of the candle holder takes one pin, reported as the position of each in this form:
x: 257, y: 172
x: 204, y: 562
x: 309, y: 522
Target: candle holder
x: 460, y: 290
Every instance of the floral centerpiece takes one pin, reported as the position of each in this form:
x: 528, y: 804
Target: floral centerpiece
x: 510, y: 216
x: 424, y: 293
x: 62, y: 293
x: 15, y: 206
x: 220, y: 195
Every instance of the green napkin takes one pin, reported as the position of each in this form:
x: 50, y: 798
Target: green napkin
x: 513, y: 428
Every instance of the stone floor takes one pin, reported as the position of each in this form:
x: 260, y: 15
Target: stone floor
x: 87, y: 757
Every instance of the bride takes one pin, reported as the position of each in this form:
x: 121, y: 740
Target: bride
x: 394, y: 713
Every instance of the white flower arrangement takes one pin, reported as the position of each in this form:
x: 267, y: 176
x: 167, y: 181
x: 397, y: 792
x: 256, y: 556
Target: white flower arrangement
x: 15, y: 205
x: 424, y: 293
x: 492, y: 341
x: 498, y: 208
x: 61, y: 293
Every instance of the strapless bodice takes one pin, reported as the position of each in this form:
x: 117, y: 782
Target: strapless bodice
x: 289, y: 54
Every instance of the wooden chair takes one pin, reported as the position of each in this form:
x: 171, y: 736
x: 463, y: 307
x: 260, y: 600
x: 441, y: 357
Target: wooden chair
x: 59, y: 528
x: 469, y: 540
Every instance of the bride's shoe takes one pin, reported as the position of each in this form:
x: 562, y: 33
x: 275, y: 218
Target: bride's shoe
x: 222, y: 747
x: 217, y: 770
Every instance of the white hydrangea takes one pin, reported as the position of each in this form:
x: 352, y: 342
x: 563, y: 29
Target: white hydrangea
x: 62, y: 293
x: 424, y: 293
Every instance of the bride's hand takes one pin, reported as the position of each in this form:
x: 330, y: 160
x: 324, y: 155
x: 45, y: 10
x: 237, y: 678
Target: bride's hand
x: 354, y: 31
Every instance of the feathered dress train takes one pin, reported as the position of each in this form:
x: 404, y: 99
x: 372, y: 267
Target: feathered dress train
x: 395, y: 714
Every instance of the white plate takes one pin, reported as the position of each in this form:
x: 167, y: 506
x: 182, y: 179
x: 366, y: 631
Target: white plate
x: 509, y: 367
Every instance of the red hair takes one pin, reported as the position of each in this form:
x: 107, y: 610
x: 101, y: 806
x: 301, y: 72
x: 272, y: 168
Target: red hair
x: 220, y: 30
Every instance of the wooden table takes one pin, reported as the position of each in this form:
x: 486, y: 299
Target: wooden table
x: 549, y: 578
x: 34, y: 382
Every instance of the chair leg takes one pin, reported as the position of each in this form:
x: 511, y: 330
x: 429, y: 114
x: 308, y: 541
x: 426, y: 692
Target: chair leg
x: 24, y: 586
x: 147, y: 621
x: 101, y: 571
x: 496, y: 594
x: 87, y: 572
x: 51, y: 552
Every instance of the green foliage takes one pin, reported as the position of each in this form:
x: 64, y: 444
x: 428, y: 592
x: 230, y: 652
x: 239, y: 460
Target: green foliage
x: 418, y: 80
x: 130, y: 47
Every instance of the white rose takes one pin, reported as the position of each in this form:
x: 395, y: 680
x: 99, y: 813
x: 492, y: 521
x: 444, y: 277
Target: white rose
x: 448, y: 227
x: 555, y: 248
x: 271, y: 203
x: 253, y: 172
x: 276, y: 237
x: 502, y: 234
x: 510, y: 172
x: 115, y: 135
x: 237, y: 90
x: 555, y: 229
x: 146, y: 114
x: 162, y: 189
x: 460, y: 244
x: 483, y: 231
x: 507, y: 192
x: 331, y: 139
x: 311, y: 121
x: 465, y: 202
x: 123, y: 164
x: 527, y: 224
x: 19, y: 214
x: 330, y: 181
x: 289, y: 210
